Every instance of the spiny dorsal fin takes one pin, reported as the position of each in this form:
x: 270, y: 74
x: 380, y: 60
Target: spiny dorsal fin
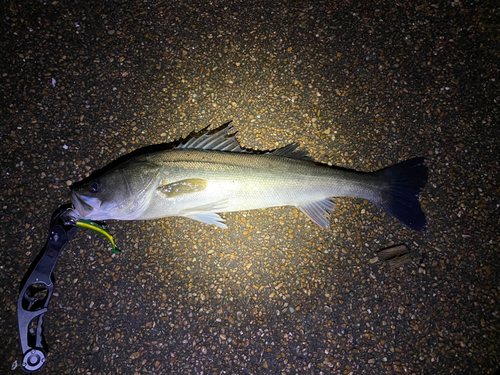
x: 220, y: 140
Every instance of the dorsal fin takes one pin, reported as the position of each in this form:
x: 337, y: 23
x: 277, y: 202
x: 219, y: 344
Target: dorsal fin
x: 220, y: 140
x: 290, y: 151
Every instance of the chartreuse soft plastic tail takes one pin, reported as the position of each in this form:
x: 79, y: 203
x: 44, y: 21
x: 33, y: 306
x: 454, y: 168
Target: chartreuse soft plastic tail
x: 82, y: 223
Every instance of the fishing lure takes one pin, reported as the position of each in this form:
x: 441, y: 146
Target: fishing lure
x: 89, y: 224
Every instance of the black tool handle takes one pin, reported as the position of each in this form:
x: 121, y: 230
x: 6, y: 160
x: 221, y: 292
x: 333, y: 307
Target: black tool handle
x: 37, y: 289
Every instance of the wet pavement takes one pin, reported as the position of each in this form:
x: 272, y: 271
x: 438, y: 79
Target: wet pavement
x: 360, y: 85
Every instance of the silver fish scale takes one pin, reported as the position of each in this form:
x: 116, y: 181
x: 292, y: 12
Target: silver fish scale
x: 237, y: 181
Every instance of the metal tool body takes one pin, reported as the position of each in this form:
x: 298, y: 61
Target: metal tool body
x: 37, y: 288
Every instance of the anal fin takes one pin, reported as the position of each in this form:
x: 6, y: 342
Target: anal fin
x: 319, y: 212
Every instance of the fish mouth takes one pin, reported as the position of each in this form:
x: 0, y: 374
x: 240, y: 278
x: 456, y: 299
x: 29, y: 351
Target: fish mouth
x: 82, y: 206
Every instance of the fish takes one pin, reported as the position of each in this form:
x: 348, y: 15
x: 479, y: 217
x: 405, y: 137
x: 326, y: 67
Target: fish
x: 208, y: 174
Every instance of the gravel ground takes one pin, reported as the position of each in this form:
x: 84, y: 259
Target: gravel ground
x: 360, y: 85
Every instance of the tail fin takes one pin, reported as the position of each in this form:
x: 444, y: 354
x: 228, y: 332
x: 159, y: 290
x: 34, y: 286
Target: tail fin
x: 403, y: 183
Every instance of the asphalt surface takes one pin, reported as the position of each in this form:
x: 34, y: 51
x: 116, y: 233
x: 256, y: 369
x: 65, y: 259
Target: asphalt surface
x: 359, y: 85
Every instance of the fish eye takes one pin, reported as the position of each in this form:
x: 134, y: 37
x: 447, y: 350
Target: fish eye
x: 96, y: 186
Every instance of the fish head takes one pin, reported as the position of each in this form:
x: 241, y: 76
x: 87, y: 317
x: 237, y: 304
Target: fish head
x: 102, y: 198
x: 120, y: 194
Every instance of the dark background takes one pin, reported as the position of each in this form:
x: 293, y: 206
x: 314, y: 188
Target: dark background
x: 359, y: 84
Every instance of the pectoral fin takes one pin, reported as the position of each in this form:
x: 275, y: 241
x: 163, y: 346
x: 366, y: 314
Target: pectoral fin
x: 188, y: 186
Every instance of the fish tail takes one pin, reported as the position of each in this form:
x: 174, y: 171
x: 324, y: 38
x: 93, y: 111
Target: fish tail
x: 399, y: 196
